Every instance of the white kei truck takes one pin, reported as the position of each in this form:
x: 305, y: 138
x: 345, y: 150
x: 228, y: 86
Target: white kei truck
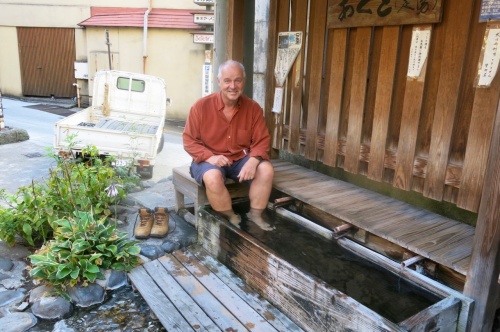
x: 125, y: 120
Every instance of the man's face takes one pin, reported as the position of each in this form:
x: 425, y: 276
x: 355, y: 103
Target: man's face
x: 231, y: 82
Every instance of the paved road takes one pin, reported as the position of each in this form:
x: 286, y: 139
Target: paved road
x: 22, y: 162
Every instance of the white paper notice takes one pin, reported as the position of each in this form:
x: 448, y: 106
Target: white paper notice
x: 278, y: 100
x: 420, y: 42
x: 491, y: 57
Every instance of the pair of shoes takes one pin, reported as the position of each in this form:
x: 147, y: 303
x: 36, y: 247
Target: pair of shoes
x: 152, y: 223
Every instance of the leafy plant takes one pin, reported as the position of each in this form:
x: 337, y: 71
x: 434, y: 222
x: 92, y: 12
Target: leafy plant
x: 81, y: 184
x: 82, y: 248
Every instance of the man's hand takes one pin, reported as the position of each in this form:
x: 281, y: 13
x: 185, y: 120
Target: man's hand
x: 248, y: 170
x: 219, y: 161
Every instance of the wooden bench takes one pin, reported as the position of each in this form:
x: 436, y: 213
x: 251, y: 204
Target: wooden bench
x: 191, y: 291
x: 186, y: 186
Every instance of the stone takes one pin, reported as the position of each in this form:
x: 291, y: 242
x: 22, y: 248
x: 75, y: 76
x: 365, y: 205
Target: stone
x: 113, y: 280
x: 41, y: 291
x: 86, y: 296
x: 52, y: 308
x: 151, y: 252
x: 11, y: 297
x: 17, y: 322
x: 11, y: 135
x: 61, y: 326
x: 170, y: 247
x: 6, y: 264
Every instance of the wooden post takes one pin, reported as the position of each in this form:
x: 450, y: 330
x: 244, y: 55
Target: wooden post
x: 2, y: 123
x: 482, y: 278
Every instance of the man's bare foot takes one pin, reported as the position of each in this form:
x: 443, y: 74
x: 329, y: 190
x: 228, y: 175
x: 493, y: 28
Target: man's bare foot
x: 259, y: 218
x: 233, y: 218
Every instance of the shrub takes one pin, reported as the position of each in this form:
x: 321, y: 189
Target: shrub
x: 83, y: 247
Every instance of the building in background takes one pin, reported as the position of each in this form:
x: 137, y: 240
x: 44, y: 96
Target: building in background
x: 54, y: 47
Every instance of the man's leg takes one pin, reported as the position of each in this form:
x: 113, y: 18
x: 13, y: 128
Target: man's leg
x: 260, y: 191
x: 218, y: 195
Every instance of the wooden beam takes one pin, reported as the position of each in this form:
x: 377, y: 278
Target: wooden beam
x: 482, y: 278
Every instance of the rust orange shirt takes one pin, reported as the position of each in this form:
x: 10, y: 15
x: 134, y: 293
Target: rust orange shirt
x: 209, y: 133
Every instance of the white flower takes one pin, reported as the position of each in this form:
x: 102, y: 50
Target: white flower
x: 111, y: 189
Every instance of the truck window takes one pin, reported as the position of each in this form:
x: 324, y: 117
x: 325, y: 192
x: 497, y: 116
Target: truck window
x: 124, y: 82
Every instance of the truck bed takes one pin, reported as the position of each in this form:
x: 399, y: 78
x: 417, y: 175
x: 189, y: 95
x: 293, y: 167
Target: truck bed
x: 113, y: 124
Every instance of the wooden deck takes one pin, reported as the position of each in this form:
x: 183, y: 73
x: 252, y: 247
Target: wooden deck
x: 440, y: 239
x: 191, y: 291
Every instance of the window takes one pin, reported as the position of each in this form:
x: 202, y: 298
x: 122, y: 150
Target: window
x: 124, y: 82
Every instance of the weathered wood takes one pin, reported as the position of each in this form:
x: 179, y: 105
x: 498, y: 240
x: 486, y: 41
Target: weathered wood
x: 316, y: 41
x: 286, y: 286
x: 442, y: 315
x: 357, y: 99
x: 169, y: 317
x: 428, y: 234
x: 385, y: 82
x: 299, y: 9
x: 482, y: 277
x: 446, y: 103
x: 409, y: 130
x: 176, y: 294
x: 339, y: 45
x: 480, y: 132
x: 275, y: 317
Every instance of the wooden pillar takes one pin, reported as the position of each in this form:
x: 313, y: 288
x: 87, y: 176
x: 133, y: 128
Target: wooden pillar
x: 482, y: 278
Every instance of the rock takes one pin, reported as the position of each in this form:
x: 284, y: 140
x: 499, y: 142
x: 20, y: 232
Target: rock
x: 12, y: 135
x: 6, y: 264
x: 51, y: 308
x: 11, y: 297
x: 60, y: 326
x: 86, y: 296
x: 151, y: 252
x: 41, y: 291
x: 114, y: 280
x: 170, y: 247
x: 17, y: 322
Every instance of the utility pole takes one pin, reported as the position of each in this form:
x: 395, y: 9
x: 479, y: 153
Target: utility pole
x: 109, y: 47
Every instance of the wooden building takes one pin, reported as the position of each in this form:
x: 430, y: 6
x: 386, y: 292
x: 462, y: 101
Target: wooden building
x: 398, y: 97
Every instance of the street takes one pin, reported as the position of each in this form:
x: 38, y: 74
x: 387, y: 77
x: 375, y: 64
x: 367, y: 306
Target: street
x: 22, y: 162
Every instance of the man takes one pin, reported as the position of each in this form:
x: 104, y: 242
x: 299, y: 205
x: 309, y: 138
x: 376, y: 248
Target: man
x: 227, y: 136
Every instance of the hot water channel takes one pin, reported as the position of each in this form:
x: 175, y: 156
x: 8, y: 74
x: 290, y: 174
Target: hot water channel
x: 389, y: 295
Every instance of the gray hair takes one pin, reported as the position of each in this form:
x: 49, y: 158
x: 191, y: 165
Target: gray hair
x: 230, y: 63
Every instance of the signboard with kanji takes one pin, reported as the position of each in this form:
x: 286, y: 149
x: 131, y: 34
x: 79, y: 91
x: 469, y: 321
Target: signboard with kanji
x: 204, y: 19
x: 419, y: 49
x: 490, y: 10
x: 357, y: 13
x: 490, y: 57
x: 289, y: 44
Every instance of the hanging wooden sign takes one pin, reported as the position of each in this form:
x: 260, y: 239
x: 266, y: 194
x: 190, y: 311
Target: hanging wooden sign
x: 357, y: 13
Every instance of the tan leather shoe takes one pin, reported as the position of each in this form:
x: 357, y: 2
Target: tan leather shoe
x: 146, y: 220
x: 160, y: 226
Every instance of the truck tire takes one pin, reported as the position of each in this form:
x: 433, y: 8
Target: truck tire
x: 162, y: 143
x: 145, y: 172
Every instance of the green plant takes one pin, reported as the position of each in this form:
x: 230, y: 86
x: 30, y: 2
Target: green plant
x: 81, y: 184
x: 82, y: 248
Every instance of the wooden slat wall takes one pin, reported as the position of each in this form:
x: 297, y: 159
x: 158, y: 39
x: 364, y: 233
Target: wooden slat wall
x: 349, y: 104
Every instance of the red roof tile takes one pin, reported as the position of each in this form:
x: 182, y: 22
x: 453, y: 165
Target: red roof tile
x: 134, y: 17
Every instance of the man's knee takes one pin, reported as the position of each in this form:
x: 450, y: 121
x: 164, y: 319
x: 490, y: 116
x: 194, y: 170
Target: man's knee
x: 213, y: 178
x: 266, y: 170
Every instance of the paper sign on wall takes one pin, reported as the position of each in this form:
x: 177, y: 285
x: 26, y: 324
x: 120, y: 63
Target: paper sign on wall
x: 289, y: 44
x: 490, y: 57
x: 278, y: 100
x: 419, y: 49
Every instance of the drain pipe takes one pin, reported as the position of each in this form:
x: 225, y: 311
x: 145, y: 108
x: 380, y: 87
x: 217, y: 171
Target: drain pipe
x: 145, y: 38
x: 411, y: 261
x: 77, y: 93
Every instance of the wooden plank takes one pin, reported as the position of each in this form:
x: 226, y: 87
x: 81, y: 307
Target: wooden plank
x: 446, y: 104
x: 443, y: 315
x: 168, y: 315
x: 220, y: 315
x: 275, y: 317
x: 184, y: 304
x: 316, y: 42
x: 238, y: 307
x: 410, y: 120
x: 337, y: 74
x: 478, y: 142
x: 357, y: 99
x: 383, y: 100
x: 299, y: 23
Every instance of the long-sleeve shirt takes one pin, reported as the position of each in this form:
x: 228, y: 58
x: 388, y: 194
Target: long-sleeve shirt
x: 208, y: 132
